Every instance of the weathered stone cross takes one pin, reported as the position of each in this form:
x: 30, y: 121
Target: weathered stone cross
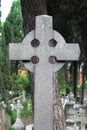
x: 18, y: 108
x: 42, y: 60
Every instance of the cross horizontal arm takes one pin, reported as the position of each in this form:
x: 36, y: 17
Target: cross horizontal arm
x: 20, y: 51
x: 67, y: 52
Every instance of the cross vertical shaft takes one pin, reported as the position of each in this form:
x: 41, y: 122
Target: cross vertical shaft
x: 43, y: 118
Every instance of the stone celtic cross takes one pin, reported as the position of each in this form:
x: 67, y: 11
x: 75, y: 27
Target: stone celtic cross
x: 42, y: 59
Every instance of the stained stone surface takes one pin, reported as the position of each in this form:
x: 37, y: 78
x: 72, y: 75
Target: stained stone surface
x: 43, y: 69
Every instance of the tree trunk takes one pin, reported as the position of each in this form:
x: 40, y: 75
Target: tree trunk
x: 66, y: 77
x: 82, y: 87
x: 59, y: 118
x: 75, y: 80
x: 30, y: 9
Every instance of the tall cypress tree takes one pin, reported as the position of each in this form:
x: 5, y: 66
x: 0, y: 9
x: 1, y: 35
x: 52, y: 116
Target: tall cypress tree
x: 11, y: 32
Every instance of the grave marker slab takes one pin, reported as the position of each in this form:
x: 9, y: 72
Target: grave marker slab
x: 46, y: 64
x: 18, y: 125
x: 29, y: 127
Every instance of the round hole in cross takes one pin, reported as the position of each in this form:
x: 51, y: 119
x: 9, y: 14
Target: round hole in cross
x: 35, y: 43
x: 34, y: 59
x: 52, y: 43
x: 52, y: 59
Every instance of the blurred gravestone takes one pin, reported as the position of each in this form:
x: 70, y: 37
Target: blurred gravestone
x: 18, y: 125
x: 29, y: 127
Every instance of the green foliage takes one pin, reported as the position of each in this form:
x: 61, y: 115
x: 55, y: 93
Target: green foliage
x: 1, y: 66
x: 1, y: 53
x: 15, y: 94
x: 7, y: 32
x: 13, y: 30
x: 62, y: 83
x: 27, y: 109
x: 85, y: 83
x: 4, y: 71
x: 12, y: 114
x: 78, y: 123
x: 11, y: 128
x: 23, y: 82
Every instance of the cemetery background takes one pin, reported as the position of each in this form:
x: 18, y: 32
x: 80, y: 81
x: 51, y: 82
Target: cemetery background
x: 75, y: 35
